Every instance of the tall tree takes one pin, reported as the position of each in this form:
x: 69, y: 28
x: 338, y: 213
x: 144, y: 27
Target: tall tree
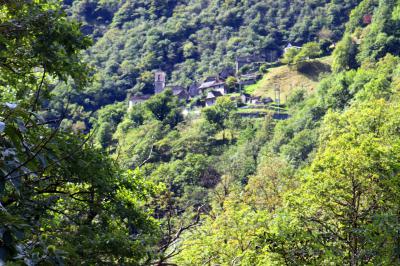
x: 61, y: 200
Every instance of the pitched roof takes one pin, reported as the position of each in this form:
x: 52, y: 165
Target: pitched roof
x: 211, y: 84
x: 140, y: 97
x: 226, y: 72
x: 180, y: 93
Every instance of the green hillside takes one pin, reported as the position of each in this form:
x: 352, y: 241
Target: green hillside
x: 288, y: 79
x: 221, y: 178
x: 191, y: 39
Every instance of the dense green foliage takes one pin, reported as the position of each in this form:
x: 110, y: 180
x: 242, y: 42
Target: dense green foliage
x: 84, y: 180
x: 191, y: 38
x: 310, y: 50
x: 326, y: 186
x: 62, y: 201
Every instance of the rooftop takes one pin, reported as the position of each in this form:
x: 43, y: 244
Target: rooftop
x: 210, y: 84
x: 140, y: 97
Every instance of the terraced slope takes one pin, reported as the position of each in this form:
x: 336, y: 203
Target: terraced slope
x: 289, y: 78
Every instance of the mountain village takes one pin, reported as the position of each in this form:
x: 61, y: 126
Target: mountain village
x: 206, y: 92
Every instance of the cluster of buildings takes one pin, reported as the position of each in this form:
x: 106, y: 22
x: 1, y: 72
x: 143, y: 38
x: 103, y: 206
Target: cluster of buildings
x: 209, y: 90
x: 212, y: 87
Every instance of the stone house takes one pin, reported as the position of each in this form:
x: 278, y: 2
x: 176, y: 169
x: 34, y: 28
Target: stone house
x: 180, y: 92
x: 136, y: 99
x: 211, y: 98
x: 226, y: 72
x: 214, y: 85
x: 244, y: 97
x: 241, y: 61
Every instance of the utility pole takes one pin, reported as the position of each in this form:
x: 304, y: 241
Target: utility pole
x: 278, y: 97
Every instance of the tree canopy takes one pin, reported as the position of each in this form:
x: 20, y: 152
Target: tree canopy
x: 86, y: 180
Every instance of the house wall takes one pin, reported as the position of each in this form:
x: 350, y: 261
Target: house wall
x: 210, y: 102
x: 221, y: 89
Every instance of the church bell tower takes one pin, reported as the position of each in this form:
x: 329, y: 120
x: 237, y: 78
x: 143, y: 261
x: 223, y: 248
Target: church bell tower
x: 159, y: 81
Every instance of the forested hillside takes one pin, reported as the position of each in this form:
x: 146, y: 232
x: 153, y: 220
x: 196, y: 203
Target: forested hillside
x: 192, y: 38
x: 326, y: 185
x: 86, y: 181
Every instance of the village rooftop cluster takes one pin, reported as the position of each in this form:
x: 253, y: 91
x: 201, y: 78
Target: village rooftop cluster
x: 211, y: 87
x: 214, y: 87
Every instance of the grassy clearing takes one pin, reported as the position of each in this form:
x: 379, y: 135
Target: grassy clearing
x: 288, y: 79
x: 250, y: 89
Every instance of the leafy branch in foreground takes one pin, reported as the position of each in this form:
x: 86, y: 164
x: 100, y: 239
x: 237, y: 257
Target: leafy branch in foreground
x: 62, y: 201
